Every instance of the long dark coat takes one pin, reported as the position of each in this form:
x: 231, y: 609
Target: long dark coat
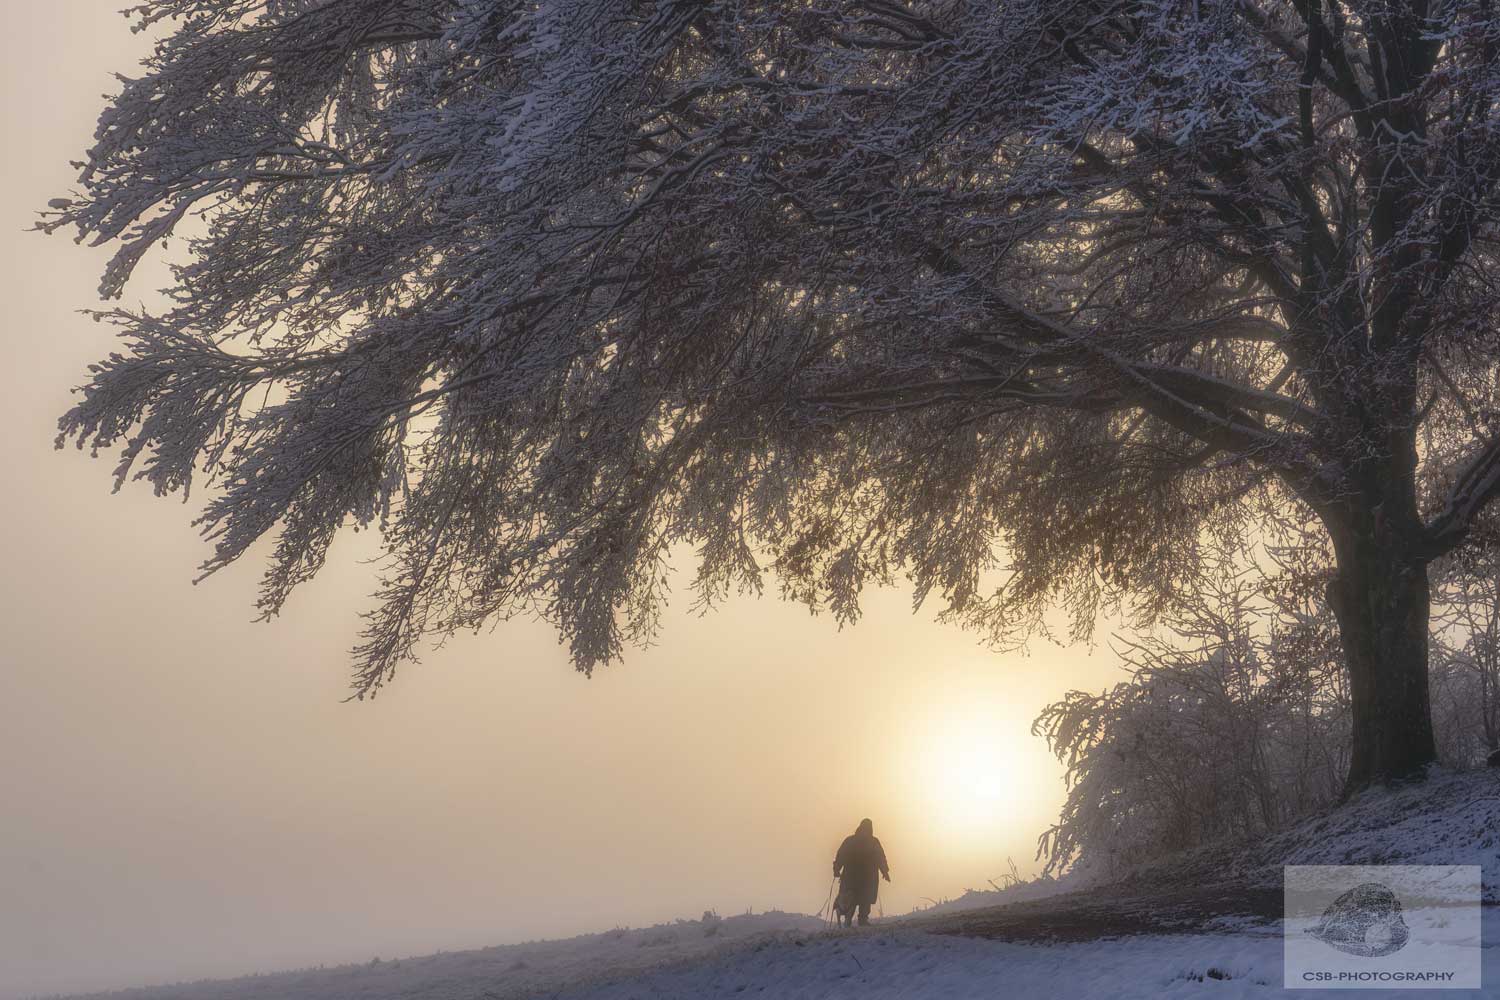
x: 859, y: 864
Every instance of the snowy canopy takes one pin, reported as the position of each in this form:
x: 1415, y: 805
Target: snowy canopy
x: 836, y: 290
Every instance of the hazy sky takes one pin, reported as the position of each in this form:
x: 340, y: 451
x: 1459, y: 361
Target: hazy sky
x: 182, y: 792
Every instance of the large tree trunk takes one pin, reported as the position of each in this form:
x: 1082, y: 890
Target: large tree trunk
x: 1381, y: 600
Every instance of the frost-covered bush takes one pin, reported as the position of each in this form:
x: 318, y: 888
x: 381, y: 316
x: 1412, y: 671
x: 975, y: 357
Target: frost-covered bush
x: 1463, y: 709
x: 1234, y: 720
x: 1466, y: 658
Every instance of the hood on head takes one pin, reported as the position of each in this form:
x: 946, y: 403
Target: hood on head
x: 865, y: 827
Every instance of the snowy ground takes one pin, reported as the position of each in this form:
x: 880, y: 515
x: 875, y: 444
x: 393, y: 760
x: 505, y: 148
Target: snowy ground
x: 1204, y: 924
x: 1453, y: 818
x: 505, y: 971
x: 1230, y: 960
x: 1234, y: 962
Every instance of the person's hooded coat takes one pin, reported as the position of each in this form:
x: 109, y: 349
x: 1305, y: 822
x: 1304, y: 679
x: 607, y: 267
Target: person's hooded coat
x: 860, y: 862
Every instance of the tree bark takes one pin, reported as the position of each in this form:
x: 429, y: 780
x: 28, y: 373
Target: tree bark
x: 1380, y: 596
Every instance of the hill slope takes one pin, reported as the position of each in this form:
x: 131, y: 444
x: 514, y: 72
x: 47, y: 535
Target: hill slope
x: 1202, y: 924
x: 1452, y: 818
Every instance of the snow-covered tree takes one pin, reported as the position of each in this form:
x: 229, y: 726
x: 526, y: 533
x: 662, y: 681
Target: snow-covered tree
x: 1014, y: 299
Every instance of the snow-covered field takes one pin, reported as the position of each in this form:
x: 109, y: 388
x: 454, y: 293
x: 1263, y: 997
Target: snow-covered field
x: 504, y: 971
x: 1451, y: 819
x: 1230, y: 962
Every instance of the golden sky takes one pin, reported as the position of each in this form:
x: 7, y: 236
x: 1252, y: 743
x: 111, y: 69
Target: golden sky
x: 182, y: 792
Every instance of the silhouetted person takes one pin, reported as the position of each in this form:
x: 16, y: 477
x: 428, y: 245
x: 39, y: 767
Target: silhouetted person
x: 858, y: 865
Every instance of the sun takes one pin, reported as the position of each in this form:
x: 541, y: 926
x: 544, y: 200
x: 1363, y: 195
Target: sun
x: 977, y: 772
x: 965, y: 774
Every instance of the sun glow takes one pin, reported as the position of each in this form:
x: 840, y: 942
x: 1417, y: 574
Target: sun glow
x: 979, y: 771
x: 965, y: 777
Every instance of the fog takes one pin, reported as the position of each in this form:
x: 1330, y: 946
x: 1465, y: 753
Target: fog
x: 186, y: 793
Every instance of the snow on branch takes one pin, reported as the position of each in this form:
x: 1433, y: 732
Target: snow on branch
x: 832, y: 293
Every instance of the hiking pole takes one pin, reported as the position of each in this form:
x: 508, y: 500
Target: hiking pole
x: 826, y: 911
